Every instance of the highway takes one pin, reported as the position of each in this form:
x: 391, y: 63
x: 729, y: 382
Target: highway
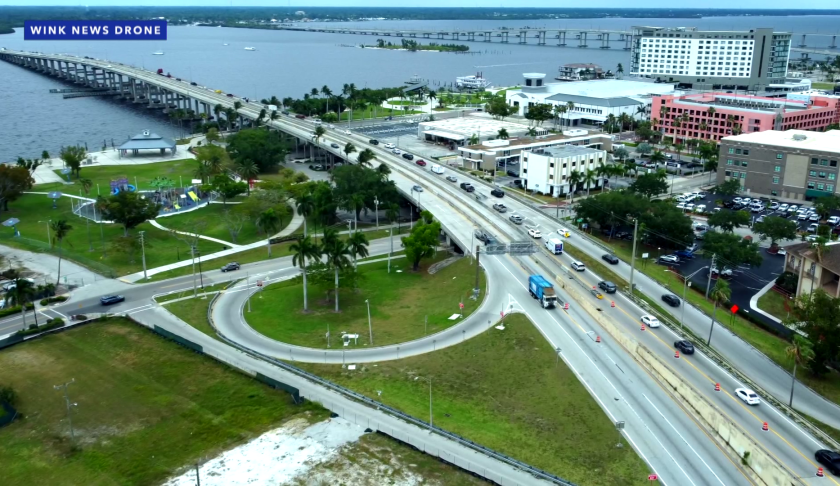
x: 667, y: 437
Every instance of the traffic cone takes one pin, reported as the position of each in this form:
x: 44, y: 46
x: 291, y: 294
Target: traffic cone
x: 594, y: 287
x: 765, y: 427
x: 717, y: 386
x: 677, y: 354
x: 612, y: 303
x: 566, y: 306
x: 643, y: 326
x: 820, y: 472
x: 597, y: 339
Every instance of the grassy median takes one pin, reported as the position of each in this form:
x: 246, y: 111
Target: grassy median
x: 505, y: 390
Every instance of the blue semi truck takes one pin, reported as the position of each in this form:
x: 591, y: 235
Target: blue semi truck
x: 542, y: 290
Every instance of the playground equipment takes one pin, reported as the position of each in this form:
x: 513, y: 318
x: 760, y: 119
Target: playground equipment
x: 121, y: 185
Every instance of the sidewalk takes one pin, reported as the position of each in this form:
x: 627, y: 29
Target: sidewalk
x: 45, y: 174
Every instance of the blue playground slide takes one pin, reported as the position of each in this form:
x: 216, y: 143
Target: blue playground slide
x: 131, y: 188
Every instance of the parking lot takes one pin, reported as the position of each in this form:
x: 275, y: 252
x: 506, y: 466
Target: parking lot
x: 389, y: 130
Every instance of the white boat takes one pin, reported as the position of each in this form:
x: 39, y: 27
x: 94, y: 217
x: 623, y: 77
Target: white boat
x: 225, y: 44
x: 157, y: 53
x: 472, y: 82
x: 250, y: 48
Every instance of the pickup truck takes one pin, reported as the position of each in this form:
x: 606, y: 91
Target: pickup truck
x: 542, y: 290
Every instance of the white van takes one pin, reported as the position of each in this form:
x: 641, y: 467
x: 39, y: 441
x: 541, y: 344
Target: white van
x: 437, y: 169
x: 554, y: 245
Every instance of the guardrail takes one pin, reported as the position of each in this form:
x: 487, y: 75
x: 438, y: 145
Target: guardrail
x: 346, y: 392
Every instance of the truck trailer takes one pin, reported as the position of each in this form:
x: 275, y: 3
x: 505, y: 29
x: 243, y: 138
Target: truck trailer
x: 542, y: 290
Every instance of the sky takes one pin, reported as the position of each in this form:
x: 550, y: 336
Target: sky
x: 762, y: 4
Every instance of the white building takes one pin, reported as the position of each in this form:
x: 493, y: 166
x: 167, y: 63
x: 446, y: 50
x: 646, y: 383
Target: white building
x: 547, y: 171
x: 505, y: 155
x: 458, y: 131
x: 593, y: 100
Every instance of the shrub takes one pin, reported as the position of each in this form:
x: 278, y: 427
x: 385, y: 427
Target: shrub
x: 8, y: 395
x: 50, y: 300
x: 15, y: 309
x: 33, y: 329
x: 787, y: 281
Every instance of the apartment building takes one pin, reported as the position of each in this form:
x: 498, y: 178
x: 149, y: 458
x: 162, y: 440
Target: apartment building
x: 546, y: 171
x: 793, y: 165
x: 712, y: 116
x: 506, y: 154
x: 709, y: 60
x: 813, y: 272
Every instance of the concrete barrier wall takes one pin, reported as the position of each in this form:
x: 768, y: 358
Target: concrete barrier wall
x: 760, y: 465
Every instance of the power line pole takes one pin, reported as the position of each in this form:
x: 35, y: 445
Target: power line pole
x: 477, y: 289
x: 709, y: 283
x: 633, y: 257
x: 68, y: 404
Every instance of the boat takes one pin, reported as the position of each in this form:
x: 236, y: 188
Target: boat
x: 157, y: 53
x: 225, y: 44
x: 250, y: 48
x: 472, y: 82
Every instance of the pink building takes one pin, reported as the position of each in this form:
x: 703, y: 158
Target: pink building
x: 712, y: 116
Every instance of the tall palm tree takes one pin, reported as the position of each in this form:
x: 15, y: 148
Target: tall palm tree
x: 610, y: 123
x: 657, y: 157
x: 269, y: 221
x: 305, y: 206
x: 365, y: 157
x: 314, y: 92
x: 337, y: 254
x: 358, y: 245
x: 349, y: 148
x: 327, y: 92
x: 384, y: 171
x: 86, y: 185
x: 60, y: 228
x: 589, y: 177
x: 230, y: 117
x: 711, y: 111
x: 569, y: 107
x: 720, y: 295
x: 558, y: 110
x: 432, y: 96
x: 575, y: 178
x: 21, y: 293
x: 304, y: 249
x: 218, y: 110
x: 503, y: 134
x: 246, y: 169
x: 473, y: 139
x: 801, y: 351
x: 319, y: 132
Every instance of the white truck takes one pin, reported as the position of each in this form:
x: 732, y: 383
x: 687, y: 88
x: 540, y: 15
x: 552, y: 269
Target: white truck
x: 437, y: 169
x: 554, y: 245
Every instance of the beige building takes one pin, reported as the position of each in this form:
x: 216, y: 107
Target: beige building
x: 813, y: 272
x: 506, y: 154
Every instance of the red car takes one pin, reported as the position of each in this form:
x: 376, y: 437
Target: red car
x: 421, y: 162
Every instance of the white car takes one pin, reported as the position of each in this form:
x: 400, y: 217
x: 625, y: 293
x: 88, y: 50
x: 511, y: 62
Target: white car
x: 803, y: 216
x: 833, y: 220
x: 650, y: 321
x: 812, y: 228
x: 814, y: 217
x: 563, y: 232
x: 738, y: 200
x: 347, y: 132
x: 689, y: 207
x: 700, y: 208
x: 746, y: 201
x: 534, y: 233
x: 389, y: 146
x: 578, y: 266
x: 811, y: 238
x: 748, y: 396
x: 396, y: 151
x: 784, y: 207
x: 726, y: 272
x: 330, y: 125
x: 792, y: 208
x: 774, y: 206
x: 317, y: 122
x: 681, y: 206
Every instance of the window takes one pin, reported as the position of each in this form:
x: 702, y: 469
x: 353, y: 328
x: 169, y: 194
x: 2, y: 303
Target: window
x: 731, y: 150
x: 810, y: 185
x: 738, y: 151
x: 822, y: 175
x: 833, y: 163
x: 746, y: 152
x: 743, y: 163
x: 743, y: 175
x: 728, y: 161
x: 814, y: 161
x: 829, y: 187
x: 823, y: 162
x: 812, y: 173
x: 779, y: 156
x: 821, y: 187
x: 775, y: 180
x: 774, y: 193
x: 728, y: 173
x: 778, y: 168
x: 832, y: 177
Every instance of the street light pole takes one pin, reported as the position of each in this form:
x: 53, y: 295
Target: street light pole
x: 685, y: 291
x: 370, y: 327
x: 143, y: 251
x: 376, y: 203
x: 68, y: 404
x: 392, y: 249
x: 49, y: 235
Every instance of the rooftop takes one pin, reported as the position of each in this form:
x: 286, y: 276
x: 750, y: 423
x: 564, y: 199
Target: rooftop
x: 830, y: 256
x: 569, y: 151
x: 820, y: 141
x: 599, y: 89
x: 745, y: 102
x: 147, y: 140
x: 493, y: 145
x: 469, y: 125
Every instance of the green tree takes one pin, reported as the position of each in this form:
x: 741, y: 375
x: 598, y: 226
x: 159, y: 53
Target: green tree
x: 212, y: 135
x: 498, y: 108
x: 650, y: 184
x: 128, y: 209
x: 609, y: 207
x: 539, y: 113
x: 817, y: 315
x: 720, y: 295
x: 269, y: 221
x: 59, y: 230
x: 474, y: 140
x: 801, y: 352
x: 657, y: 157
x: 575, y: 178
x: 358, y: 245
x: 776, y: 229
x: 503, y: 134
x: 265, y: 148
x: 365, y: 157
x: 644, y: 149
x: 621, y: 153
x: 737, y: 251
x: 302, y: 250
x: 337, y: 255
x: 247, y: 170
x: 73, y: 157
x: 23, y: 291
x: 825, y: 205
x: 213, y: 157
x: 305, y: 205
x: 349, y: 148
x: 13, y: 182
x: 728, y: 188
x: 422, y: 241
x: 667, y: 226
x: 227, y: 187
x: 729, y: 220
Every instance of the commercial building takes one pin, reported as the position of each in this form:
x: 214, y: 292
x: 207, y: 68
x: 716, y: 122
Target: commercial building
x: 794, y: 164
x: 709, y: 60
x: 814, y: 273
x: 591, y: 101
x: 506, y: 154
x: 547, y: 171
x: 455, y: 132
x: 712, y: 116
x: 581, y: 72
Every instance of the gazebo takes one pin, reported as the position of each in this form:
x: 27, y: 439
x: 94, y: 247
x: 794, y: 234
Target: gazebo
x: 147, y: 141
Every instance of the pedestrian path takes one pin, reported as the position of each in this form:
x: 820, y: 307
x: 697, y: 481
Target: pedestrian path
x: 208, y: 238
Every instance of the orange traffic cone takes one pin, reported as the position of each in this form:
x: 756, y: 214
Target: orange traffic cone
x: 717, y: 386
x: 643, y: 326
x: 597, y: 339
x: 566, y: 306
x: 765, y: 427
x: 594, y: 287
x: 820, y: 472
x: 677, y: 354
x: 612, y: 303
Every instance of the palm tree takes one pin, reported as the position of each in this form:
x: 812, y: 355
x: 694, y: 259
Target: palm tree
x: 314, y: 92
x: 569, y: 107
x: 86, y: 185
x: 218, y: 110
x: 365, y: 157
x: 305, y: 206
x: 349, y: 148
x: 711, y: 111
x: 432, y: 96
x: 610, y: 122
x: 619, y: 71
x: 532, y: 132
x: 558, y: 110
x: 720, y: 294
x: 474, y: 140
x: 358, y: 245
x: 588, y: 178
x: 21, y: 293
x: 384, y: 171
x: 60, y: 228
x: 657, y: 157
x: 304, y: 249
x: 268, y: 221
x: 575, y: 178
x: 503, y: 134
x: 230, y: 116
x: 338, y: 255
x: 246, y: 169
x: 801, y: 351
x: 327, y: 92
x: 319, y: 132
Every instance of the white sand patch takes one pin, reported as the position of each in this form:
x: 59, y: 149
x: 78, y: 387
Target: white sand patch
x: 275, y: 457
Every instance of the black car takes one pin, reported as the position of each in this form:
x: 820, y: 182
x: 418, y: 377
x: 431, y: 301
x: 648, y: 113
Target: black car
x: 607, y: 287
x: 230, y: 267
x: 513, y: 173
x: 334, y: 145
x: 737, y: 207
x: 728, y: 204
x: 467, y: 187
x: 408, y: 156
x: 498, y: 192
x: 829, y: 459
x: 111, y: 299
x: 671, y: 300
x: 193, y: 83
x: 623, y: 235
x: 685, y: 347
x: 484, y: 236
x: 373, y: 141
x: 610, y: 258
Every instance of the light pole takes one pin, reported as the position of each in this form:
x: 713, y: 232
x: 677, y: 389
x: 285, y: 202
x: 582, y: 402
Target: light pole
x: 49, y: 235
x: 143, y: 251
x: 392, y: 249
x: 685, y: 291
x: 376, y: 204
x: 431, y: 415
x: 68, y: 404
x: 370, y: 327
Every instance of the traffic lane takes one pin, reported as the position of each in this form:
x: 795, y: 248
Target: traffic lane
x: 667, y: 438
x: 788, y: 443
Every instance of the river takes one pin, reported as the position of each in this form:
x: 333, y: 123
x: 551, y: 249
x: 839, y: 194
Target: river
x: 287, y: 63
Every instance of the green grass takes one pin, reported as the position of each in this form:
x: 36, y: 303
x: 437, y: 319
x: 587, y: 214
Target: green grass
x: 146, y: 408
x: 189, y: 292
x: 399, y: 303
x: 828, y: 86
x: 194, y: 313
x: 175, y: 170
x: 161, y: 247
x: 505, y: 390
x: 406, y: 103
x: 380, y: 112
x: 215, y: 226
x: 773, y: 303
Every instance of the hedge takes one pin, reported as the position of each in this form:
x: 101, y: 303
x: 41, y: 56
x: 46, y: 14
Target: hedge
x: 15, y: 309
x: 50, y: 300
x: 33, y: 329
